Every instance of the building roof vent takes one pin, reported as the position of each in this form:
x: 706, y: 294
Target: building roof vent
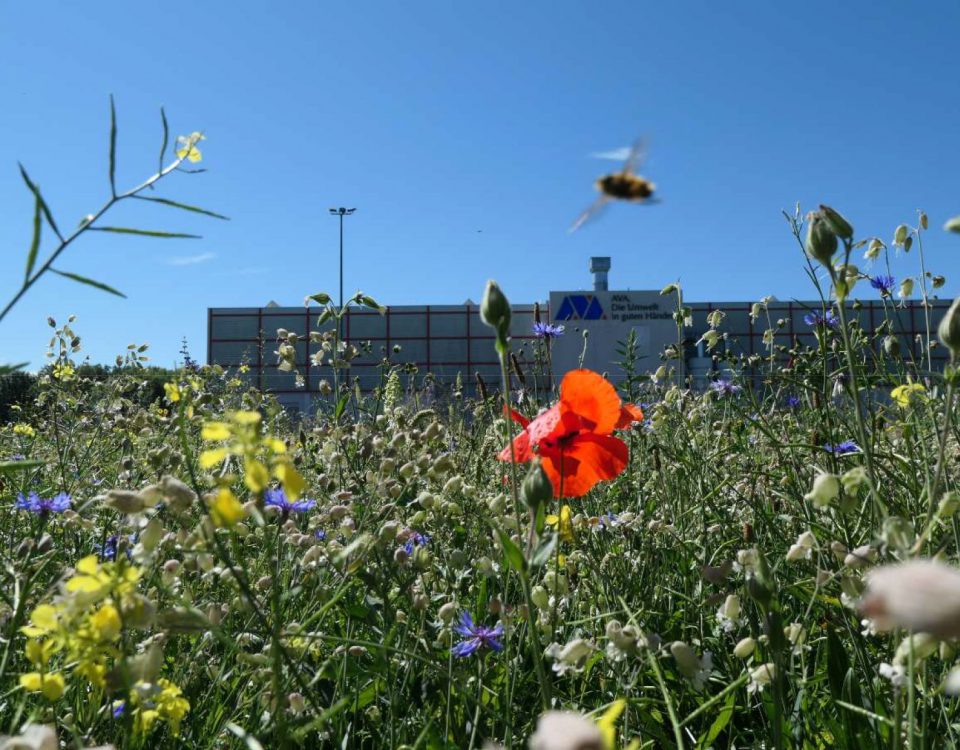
x: 599, y: 266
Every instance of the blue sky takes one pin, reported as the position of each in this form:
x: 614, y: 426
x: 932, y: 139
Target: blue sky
x: 440, y: 119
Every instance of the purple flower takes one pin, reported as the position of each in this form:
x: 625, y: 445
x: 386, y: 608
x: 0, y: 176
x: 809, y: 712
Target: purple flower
x: 278, y: 499
x: 725, y: 387
x: 547, y: 330
x: 842, y: 449
x: 416, y: 539
x: 792, y: 402
x: 43, y: 507
x: 477, y: 636
x: 320, y: 534
x: 816, y: 319
x: 608, y: 520
x: 118, y: 709
x: 883, y: 284
x: 108, y: 551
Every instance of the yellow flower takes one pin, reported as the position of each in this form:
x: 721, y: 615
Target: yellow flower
x: 904, y: 394
x: 105, y: 623
x: 607, y: 724
x: 246, y: 417
x: 173, y: 392
x: 255, y: 475
x: 215, y: 431
x: 24, y: 429
x: 51, y: 685
x: 565, y: 521
x: 63, y: 371
x: 226, y: 510
x: 211, y: 458
x: 187, y: 147
x: 44, y: 619
x: 291, y: 479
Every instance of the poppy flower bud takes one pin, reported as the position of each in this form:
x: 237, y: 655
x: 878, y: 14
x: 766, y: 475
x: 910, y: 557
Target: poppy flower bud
x: 536, y: 489
x: 821, y: 242
x: 949, y: 330
x: 495, y: 310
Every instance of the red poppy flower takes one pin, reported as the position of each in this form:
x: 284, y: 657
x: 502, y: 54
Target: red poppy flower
x: 574, y: 438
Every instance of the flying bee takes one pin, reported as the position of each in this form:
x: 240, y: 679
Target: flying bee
x: 625, y: 185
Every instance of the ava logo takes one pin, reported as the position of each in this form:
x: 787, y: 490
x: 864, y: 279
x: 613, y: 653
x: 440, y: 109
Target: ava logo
x: 580, y: 307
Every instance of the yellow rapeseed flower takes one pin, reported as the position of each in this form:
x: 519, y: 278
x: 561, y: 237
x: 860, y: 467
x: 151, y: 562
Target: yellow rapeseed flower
x: 225, y: 510
x: 20, y: 428
x: 904, y: 394
x: 187, y: 147
x: 173, y: 392
x: 51, y: 685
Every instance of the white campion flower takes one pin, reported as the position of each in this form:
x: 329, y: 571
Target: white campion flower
x: 803, y: 548
x: 565, y: 730
x: 861, y: 557
x: 729, y: 614
x: 921, y: 595
x: 895, y: 673
x: 571, y: 657
x: 826, y: 489
x: 694, y: 668
x: 761, y: 677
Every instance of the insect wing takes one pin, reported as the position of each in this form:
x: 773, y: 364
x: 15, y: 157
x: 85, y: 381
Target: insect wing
x: 594, y: 209
x: 637, y: 156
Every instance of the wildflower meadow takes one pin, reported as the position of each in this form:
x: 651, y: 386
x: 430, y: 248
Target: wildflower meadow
x: 770, y: 561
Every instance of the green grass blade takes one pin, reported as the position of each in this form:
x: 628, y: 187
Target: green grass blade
x: 147, y: 232
x: 43, y: 204
x: 35, y: 242
x: 166, y: 139
x: 89, y: 282
x: 113, y: 148
x: 183, y: 206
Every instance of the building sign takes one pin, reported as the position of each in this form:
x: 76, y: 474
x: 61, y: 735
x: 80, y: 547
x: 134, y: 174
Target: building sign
x: 626, y: 307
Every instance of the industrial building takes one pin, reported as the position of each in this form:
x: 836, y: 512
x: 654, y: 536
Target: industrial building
x: 451, y: 340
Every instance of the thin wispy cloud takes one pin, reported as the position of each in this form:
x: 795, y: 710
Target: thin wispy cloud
x: 617, y: 154
x: 190, y: 260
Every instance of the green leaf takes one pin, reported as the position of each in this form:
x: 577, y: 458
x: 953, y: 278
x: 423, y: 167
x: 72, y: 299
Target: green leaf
x: 543, y: 552
x: 147, y: 232
x: 166, y: 139
x: 184, y: 206
x: 35, y: 242
x: 43, y: 204
x: 341, y: 406
x: 89, y: 282
x: 8, y: 467
x: 511, y: 551
x: 720, y: 723
x: 113, y: 147
x: 7, y: 369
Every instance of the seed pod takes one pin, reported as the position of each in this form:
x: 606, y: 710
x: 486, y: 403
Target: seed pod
x: 821, y: 242
x: 838, y: 225
x: 949, y: 330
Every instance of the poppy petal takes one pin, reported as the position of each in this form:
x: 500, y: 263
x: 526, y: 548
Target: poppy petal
x: 515, y: 416
x: 587, y: 459
x: 546, y: 425
x: 586, y: 394
x: 521, y: 449
x: 629, y: 414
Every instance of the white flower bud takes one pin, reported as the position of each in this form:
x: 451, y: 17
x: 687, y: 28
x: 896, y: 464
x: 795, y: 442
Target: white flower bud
x: 745, y: 648
x: 826, y: 489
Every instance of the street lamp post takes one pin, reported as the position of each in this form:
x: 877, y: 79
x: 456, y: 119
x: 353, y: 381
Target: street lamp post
x: 341, y: 212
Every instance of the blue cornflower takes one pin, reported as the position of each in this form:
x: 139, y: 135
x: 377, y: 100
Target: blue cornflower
x: 792, y: 402
x: 883, y: 284
x: 844, y: 448
x: 278, y: 499
x: 816, y: 319
x: 320, y: 534
x: 476, y: 636
x: 547, y: 330
x: 416, y: 539
x: 108, y: 551
x: 725, y: 387
x: 43, y: 507
x: 608, y: 520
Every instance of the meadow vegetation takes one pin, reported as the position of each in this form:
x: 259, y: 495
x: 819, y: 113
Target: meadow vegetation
x: 767, y: 562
